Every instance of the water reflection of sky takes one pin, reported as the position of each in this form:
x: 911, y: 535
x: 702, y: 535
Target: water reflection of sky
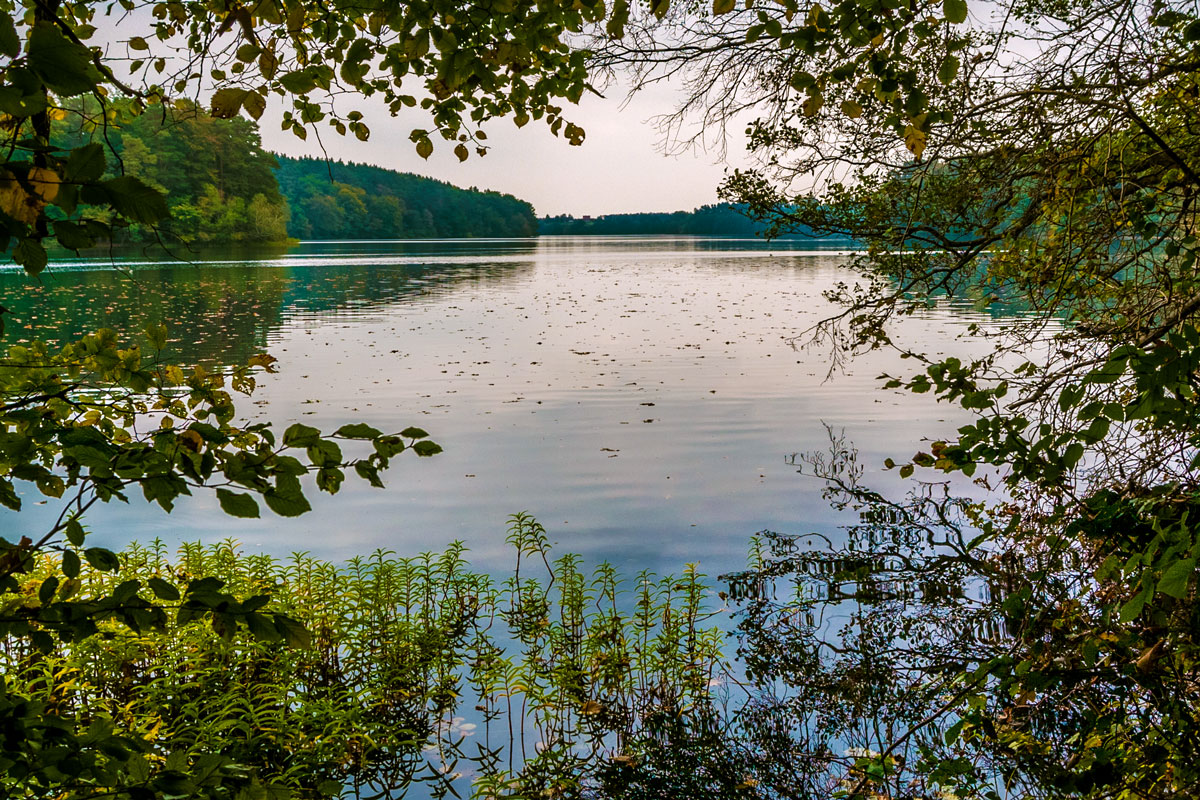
x: 636, y: 395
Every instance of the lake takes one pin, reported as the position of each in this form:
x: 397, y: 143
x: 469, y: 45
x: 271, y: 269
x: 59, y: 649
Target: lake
x: 641, y: 397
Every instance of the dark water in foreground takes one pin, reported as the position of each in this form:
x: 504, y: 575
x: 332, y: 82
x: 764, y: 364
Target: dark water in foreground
x: 638, y: 396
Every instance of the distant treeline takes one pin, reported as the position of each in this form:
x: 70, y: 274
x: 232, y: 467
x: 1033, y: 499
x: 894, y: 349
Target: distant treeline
x: 723, y: 219
x: 336, y: 200
x: 222, y: 186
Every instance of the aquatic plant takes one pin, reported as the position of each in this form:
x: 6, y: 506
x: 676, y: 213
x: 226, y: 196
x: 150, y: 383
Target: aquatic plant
x: 413, y: 670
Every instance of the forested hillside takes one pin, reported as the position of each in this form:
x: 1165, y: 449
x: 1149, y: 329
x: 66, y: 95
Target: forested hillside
x: 722, y: 219
x: 336, y: 200
x: 214, y: 172
x: 222, y: 186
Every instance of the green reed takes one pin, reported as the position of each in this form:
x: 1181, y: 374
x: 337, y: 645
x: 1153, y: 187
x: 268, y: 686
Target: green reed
x: 420, y: 670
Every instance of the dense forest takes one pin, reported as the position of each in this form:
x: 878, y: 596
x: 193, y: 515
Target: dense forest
x: 216, y: 177
x: 222, y: 186
x: 336, y: 200
x: 722, y: 219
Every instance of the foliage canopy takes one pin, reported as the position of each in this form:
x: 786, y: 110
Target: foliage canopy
x: 459, y: 65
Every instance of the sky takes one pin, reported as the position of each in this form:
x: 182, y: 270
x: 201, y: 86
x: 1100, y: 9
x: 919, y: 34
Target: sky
x: 618, y: 168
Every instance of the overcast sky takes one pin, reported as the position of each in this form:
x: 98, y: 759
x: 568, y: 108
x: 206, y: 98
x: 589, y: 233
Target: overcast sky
x: 618, y: 168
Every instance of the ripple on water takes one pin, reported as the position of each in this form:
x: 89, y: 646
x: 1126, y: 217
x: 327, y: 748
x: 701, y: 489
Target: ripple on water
x: 639, y: 396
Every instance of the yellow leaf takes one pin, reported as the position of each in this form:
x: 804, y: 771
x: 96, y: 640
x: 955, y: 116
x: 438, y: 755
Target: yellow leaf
x: 816, y: 17
x: 45, y: 183
x: 723, y: 6
x: 191, y: 440
x: 914, y: 140
x: 264, y: 360
x: 22, y: 204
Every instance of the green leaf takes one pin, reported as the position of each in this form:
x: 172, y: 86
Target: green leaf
x: 1073, y: 454
x: 324, y: 453
x: 368, y: 472
x: 293, y: 633
x: 413, y: 433
x: 86, y: 163
x: 101, y: 559
x: 262, y: 629
x: 288, y: 503
x: 226, y: 103
x: 74, y: 532
x: 955, y: 10
x: 72, y: 236
x: 948, y: 71
x: 1133, y: 607
x: 255, y: 603
x: 298, y: 82
x: 10, y: 43
x: 31, y: 255
x: 813, y: 104
x: 47, y: 590
x: 1175, y: 578
x: 70, y: 563
x: 238, y: 504
x: 254, y: 104
x: 426, y: 448
x: 8, y: 495
x: 157, y: 334
x: 248, y: 52
x: 357, y: 430
x: 330, y: 479
x: 17, y: 103
x: 65, y: 67
x: 163, y: 590
x: 298, y: 435
x: 135, y: 200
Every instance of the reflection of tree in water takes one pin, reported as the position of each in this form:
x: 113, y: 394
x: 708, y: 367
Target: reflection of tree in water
x: 948, y: 646
x: 851, y: 647
x: 217, y: 314
x: 325, y: 289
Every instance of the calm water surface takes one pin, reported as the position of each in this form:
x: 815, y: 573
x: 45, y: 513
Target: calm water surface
x: 638, y: 396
